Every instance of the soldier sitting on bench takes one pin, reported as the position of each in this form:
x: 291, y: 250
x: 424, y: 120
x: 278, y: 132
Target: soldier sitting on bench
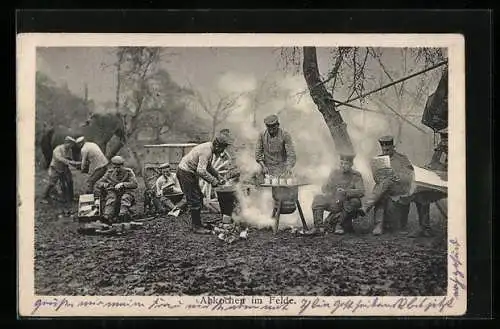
x: 167, y: 190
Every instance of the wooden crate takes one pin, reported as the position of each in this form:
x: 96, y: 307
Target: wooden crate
x: 89, y: 208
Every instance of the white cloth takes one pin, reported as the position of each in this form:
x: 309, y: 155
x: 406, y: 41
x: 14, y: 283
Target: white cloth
x: 92, y: 154
x: 168, y: 181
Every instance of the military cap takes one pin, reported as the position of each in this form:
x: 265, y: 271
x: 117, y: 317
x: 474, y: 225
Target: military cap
x: 347, y: 156
x: 271, y: 119
x: 386, y: 140
x: 80, y: 139
x: 117, y: 160
x: 69, y: 139
x: 224, y: 137
x: 164, y: 165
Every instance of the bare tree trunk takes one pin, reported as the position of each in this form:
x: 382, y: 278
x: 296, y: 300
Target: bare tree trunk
x: 214, y: 127
x: 118, y: 80
x: 324, y: 101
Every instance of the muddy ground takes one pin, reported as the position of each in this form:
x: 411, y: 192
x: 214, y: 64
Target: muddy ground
x: 164, y: 258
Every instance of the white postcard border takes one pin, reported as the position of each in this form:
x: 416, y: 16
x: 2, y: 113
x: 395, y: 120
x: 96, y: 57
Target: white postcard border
x: 455, y: 303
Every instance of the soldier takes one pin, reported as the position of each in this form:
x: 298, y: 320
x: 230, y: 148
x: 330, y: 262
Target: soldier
x: 166, y: 185
x: 439, y: 160
x: 198, y: 164
x: 59, y: 170
x: 341, y: 196
x: 423, y: 200
x: 94, y: 162
x: 275, y: 151
x: 390, y: 193
x: 117, y: 183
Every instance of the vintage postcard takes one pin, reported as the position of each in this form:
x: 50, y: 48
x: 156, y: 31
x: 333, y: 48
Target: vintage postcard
x: 231, y: 175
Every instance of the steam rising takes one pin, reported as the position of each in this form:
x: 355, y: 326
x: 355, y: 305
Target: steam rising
x: 316, y: 154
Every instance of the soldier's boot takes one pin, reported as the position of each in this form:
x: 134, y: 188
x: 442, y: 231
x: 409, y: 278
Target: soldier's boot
x: 169, y: 205
x: 109, y: 210
x: 378, y: 229
x: 403, y: 221
x: 156, y: 203
x: 342, y: 223
x: 339, y: 229
x: 379, y: 222
x: 46, y: 194
x: 423, y: 211
x: 106, y: 219
x: 196, y: 222
x: 369, y: 204
x: 318, y: 221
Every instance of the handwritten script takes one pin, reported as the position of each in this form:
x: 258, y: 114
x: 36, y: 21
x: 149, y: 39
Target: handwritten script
x: 284, y: 304
x: 457, y: 276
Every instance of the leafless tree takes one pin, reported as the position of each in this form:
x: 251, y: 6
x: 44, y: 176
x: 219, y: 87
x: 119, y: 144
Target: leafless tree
x: 349, y: 73
x: 219, y: 109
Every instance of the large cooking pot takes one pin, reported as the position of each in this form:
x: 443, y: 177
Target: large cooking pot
x: 227, y: 199
x: 288, y: 197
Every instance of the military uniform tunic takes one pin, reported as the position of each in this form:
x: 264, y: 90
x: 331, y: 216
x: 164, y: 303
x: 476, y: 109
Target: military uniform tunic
x: 277, y: 153
x: 126, y: 198
x: 390, y: 194
x: 349, y: 200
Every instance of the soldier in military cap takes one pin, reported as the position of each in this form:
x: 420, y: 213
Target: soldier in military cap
x: 390, y: 196
x: 275, y: 152
x: 59, y: 170
x: 117, y: 185
x: 341, y: 195
x: 198, y: 164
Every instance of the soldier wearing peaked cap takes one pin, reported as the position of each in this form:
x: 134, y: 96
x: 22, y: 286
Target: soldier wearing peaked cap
x: 341, y: 195
x: 275, y: 152
x: 117, y: 186
x: 59, y: 170
x: 198, y: 164
x: 390, y: 195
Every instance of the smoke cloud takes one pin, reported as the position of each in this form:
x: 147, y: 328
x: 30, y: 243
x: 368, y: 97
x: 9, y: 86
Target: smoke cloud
x: 316, y: 154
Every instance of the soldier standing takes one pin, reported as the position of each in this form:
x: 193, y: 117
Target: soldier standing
x: 275, y: 151
x: 59, y: 170
x: 390, y: 193
x: 117, y: 185
x: 341, y: 195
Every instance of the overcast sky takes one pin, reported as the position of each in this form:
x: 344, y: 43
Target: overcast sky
x: 206, y: 68
x: 202, y: 66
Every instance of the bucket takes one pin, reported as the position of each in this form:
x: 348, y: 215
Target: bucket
x: 227, y: 201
